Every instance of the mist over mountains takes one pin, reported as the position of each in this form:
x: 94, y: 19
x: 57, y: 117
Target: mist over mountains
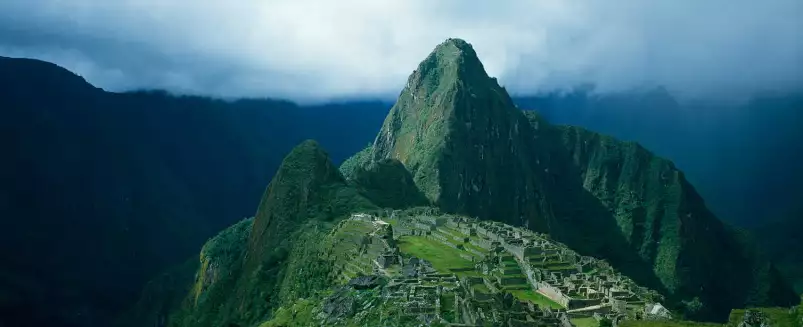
x: 740, y: 155
x: 456, y: 138
x: 100, y: 191
x: 314, y: 50
x: 123, y: 161
x: 132, y: 132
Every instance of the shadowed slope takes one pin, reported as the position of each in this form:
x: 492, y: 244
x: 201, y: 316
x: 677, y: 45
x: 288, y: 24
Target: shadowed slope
x: 279, y: 258
x: 472, y: 151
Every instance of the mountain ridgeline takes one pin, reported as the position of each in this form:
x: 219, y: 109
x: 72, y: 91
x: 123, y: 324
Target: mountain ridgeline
x: 99, y: 191
x: 268, y: 262
x: 472, y: 151
x: 455, y: 141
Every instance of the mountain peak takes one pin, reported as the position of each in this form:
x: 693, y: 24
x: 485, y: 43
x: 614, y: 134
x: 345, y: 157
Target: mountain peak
x: 19, y: 75
x: 455, y: 48
x: 301, y: 182
x: 450, y: 119
x: 452, y: 64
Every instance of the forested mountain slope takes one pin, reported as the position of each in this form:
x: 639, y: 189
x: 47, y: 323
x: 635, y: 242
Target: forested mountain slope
x: 100, y: 191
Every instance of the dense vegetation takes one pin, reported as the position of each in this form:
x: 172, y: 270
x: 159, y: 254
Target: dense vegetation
x: 248, y: 270
x: 742, y: 156
x: 388, y: 184
x: 102, y: 191
x: 740, y: 153
x: 781, y: 237
x: 471, y: 151
x: 665, y: 220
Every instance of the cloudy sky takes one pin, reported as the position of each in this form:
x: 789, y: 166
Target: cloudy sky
x: 325, y: 49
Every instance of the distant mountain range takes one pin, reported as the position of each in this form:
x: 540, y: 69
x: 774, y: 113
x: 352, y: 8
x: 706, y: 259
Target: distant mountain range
x: 740, y: 155
x: 458, y: 140
x: 100, y: 191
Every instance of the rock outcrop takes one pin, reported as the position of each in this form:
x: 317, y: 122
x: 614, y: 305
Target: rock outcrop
x: 260, y: 264
x: 307, y: 184
x: 455, y: 140
x: 471, y: 151
x: 388, y: 184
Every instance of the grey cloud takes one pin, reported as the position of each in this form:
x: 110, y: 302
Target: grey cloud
x: 318, y: 49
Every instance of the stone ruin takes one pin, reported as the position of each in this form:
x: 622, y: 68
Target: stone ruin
x: 505, y: 260
x: 419, y: 293
x: 511, y: 259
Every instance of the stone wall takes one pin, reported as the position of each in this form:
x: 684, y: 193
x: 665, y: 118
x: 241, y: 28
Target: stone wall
x: 467, y: 257
x: 483, y: 243
x: 520, y: 251
x: 553, y: 294
x: 468, y: 230
x: 400, y: 231
x: 511, y: 280
x: 440, y: 237
x: 434, y: 221
x: 488, y: 233
x: 582, y: 303
x: 556, y: 274
x: 443, y: 240
x: 423, y: 226
x: 475, y: 252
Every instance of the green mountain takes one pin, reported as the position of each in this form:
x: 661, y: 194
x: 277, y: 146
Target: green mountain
x: 251, y: 268
x: 105, y: 190
x: 666, y: 222
x: 457, y: 132
x: 568, y: 226
x: 473, y: 152
x: 781, y: 238
x: 386, y: 182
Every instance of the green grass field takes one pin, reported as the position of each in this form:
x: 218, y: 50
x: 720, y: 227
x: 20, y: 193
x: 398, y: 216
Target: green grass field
x: 535, y: 297
x: 442, y: 257
x: 467, y: 245
x: 585, y: 322
x: 472, y: 246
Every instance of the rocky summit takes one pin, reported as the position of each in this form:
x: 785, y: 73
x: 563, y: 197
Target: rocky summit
x: 467, y: 211
x: 471, y: 151
x: 459, y: 134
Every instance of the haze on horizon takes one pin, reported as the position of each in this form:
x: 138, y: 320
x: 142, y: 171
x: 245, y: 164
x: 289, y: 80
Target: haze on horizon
x: 309, y: 50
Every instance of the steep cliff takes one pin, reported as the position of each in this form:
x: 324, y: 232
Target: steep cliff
x: 664, y: 219
x: 458, y: 133
x: 454, y: 139
x: 251, y: 268
x: 388, y: 184
x: 105, y: 190
x: 471, y: 151
x: 781, y: 238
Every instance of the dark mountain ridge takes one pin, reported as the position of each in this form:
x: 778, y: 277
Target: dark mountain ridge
x: 740, y: 155
x: 103, y: 190
x: 127, y: 173
x: 470, y: 152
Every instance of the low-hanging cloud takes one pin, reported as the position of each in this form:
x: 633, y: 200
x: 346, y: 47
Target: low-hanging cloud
x: 321, y: 49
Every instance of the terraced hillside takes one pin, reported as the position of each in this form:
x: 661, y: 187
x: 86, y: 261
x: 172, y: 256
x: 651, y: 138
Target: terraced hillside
x: 471, y: 151
x: 328, y: 246
x: 418, y: 266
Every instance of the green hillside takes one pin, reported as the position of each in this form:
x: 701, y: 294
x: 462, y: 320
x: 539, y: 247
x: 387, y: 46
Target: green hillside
x: 467, y: 211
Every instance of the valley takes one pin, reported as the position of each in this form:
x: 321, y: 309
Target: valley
x: 464, y: 211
